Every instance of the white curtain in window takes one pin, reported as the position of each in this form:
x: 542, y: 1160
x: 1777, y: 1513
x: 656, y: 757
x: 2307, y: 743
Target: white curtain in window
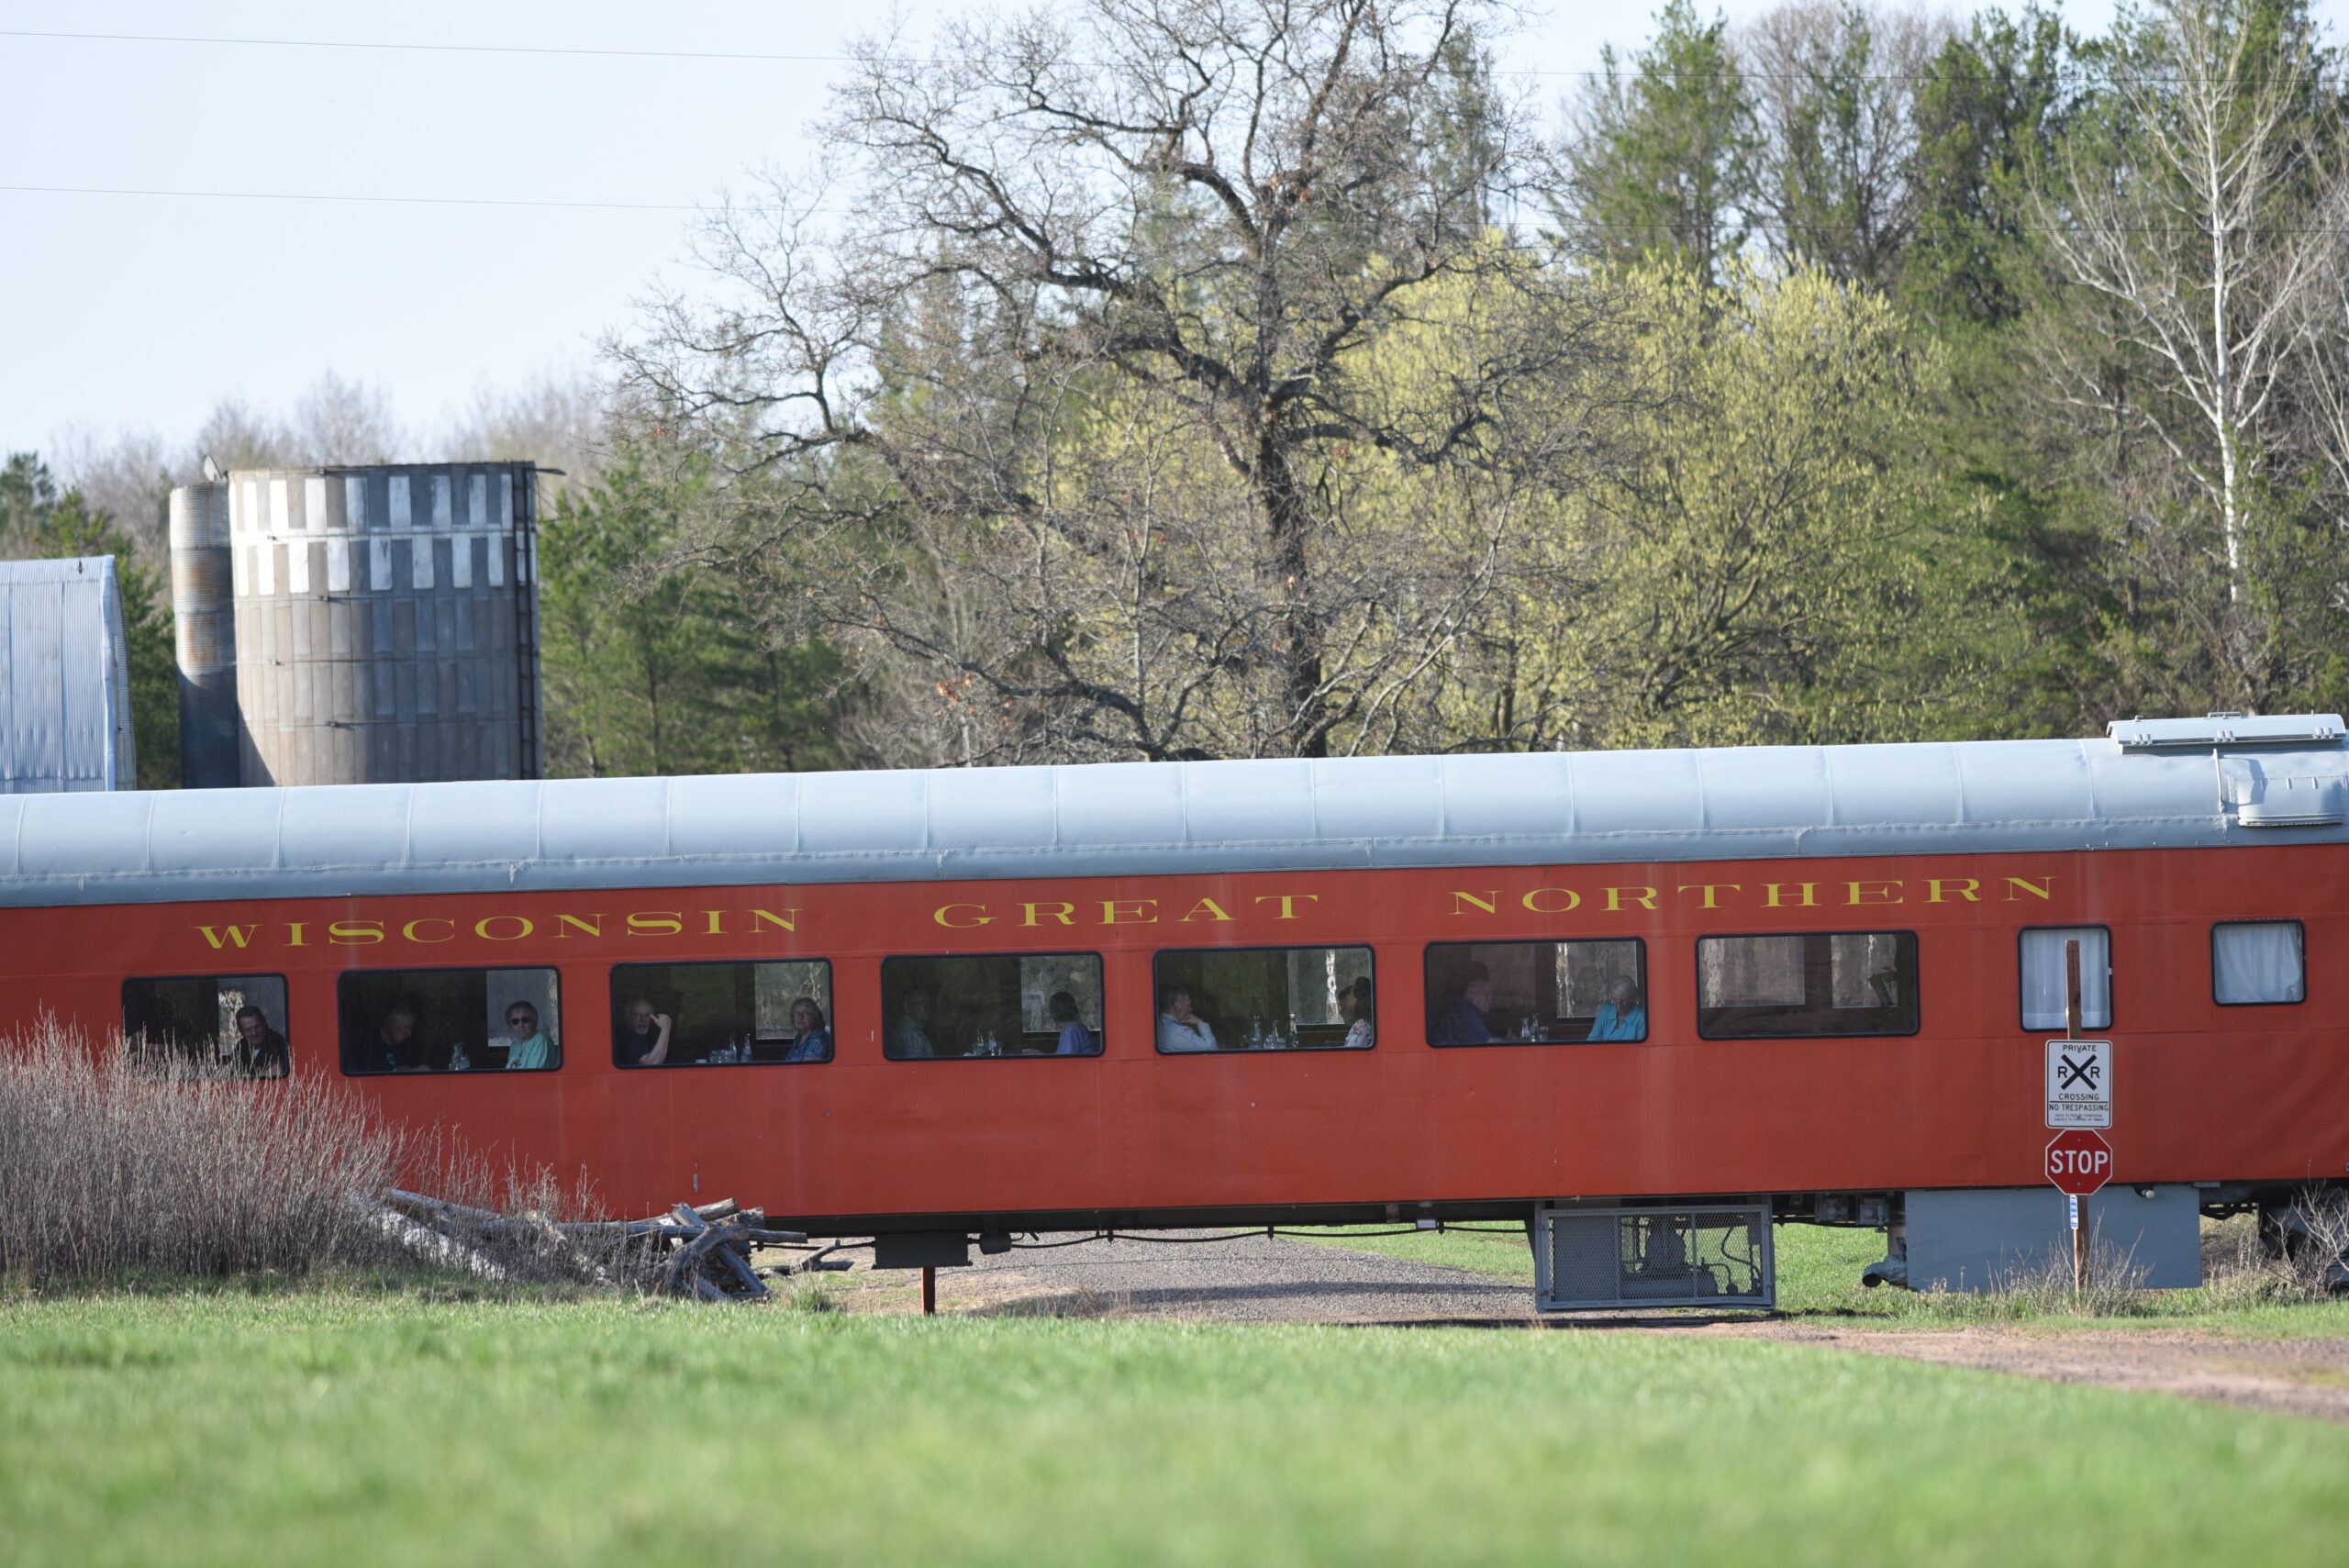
x: 2043, y: 977
x: 1750, y: 972
x: 2256, y: 960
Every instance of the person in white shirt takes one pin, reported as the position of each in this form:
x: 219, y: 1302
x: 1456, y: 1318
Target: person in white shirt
x: 1179, y: 1029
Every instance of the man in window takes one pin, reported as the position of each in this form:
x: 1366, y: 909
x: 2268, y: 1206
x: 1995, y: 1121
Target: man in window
x: 527, y: 1045
x: 643, y: 1037
x: 1464, y: 1022
x: 394, y: 1047
x: 909, y: 1035
x: 261, y: 1050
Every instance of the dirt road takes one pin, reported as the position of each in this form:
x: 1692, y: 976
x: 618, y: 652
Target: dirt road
x: 1264, y: 1280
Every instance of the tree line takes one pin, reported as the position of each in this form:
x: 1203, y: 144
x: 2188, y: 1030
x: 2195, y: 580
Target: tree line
x: 1151, y: 382
x: 1139, y: 382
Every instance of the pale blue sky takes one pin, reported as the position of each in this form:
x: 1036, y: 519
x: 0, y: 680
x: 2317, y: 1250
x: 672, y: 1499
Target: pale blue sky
x: 141, y: 311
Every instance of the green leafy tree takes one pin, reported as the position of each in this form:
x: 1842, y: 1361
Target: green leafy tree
x: 650, y: 666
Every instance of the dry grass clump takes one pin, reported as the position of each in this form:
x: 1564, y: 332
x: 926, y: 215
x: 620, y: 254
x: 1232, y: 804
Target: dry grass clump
x: 112, y: 1171
x: 107, y: 1170
x: 2296, y: 1257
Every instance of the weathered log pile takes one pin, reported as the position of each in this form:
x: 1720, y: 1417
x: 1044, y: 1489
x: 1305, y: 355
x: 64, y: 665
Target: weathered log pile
x: 701, y: 1251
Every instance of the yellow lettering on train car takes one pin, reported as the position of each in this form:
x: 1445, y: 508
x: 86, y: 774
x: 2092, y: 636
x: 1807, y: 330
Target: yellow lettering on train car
x: 591, y: 924
x: 2030, y: 887
x: 1111, y: 912
x: 1489, y: 902
x: 1036, y: 913
x: 1288, y: 902
x: 656, y: 923
x: 1874, y: 893
x: 1642, y: 897
x: 1214, y: 911
x: 1573, y: 901
x: 355, y: 933
x: 717, y: 917
x: 408, y: 931
x: 944, y: 910
x: 788, y: 919
x: 236, y: 936
x: 1709, y: 889
x: 294, y: 929
x: 1771, y: 892
x: 481, y: 928
x: 1964, y: 887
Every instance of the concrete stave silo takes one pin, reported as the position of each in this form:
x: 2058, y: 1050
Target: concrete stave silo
x: 385, y: 622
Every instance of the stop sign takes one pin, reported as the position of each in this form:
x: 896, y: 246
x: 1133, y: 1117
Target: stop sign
x: 2078, y: 1162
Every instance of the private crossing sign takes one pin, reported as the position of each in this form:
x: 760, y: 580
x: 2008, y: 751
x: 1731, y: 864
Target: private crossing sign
x: 2079, y: 1083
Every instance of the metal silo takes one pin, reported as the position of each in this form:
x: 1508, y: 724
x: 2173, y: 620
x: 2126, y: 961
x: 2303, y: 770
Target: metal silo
x: 386, y: 623
x: 204, y: 610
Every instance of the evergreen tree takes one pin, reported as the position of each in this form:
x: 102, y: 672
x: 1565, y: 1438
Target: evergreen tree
x: 1663, y: 154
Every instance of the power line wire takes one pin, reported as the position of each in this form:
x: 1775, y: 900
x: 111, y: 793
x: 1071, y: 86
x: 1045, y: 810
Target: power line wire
x: 763, y: 57
x: 1656, y: 230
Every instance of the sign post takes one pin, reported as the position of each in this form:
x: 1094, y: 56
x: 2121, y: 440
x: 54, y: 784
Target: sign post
x: 2078, y: 1162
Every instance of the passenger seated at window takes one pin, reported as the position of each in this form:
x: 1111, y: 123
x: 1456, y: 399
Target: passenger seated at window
x: 261, y: 1050
x: 394, y: 1048
x: 1464, y: 1022
x: 1356, y: 1006
x: 644, y: 1036
x: 527, y: 1045
x: 1076, y: 1038
x: 1179, y: 1029
x: 1623, y: 1016
x: 909, y: 1035
x: 810, y: 1040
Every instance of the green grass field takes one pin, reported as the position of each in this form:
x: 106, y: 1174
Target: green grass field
x: 344, y: 1427
x: 1818, y: 1277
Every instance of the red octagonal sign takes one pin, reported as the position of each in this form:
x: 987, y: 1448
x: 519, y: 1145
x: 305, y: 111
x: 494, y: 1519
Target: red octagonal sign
x: 2078, y: 1162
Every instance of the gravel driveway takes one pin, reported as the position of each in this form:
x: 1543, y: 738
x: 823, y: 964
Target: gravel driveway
x: 1252, y: 1279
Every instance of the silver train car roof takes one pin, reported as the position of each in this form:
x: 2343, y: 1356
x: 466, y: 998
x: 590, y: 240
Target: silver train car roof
x: 2149, y: 784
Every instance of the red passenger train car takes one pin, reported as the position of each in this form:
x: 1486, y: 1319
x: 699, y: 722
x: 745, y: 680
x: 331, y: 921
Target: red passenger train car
x: 972, y: 1004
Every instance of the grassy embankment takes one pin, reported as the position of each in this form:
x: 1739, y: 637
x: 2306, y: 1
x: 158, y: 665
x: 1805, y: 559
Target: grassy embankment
x: 344, y: 1427
x: 1819, y: 1276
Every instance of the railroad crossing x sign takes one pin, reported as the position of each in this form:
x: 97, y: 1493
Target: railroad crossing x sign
x: 2079, y: 1082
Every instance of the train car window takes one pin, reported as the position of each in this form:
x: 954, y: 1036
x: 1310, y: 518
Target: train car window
x: 227, y: 1026
x: 1265, y: 999
x: 1837, y: 983
x: 2257, y: 961
x: 1536, y: 992
x: 2041, y: 966
x: 722, y: 1014
x: 1029, y: 1004
x: 450, y: 1020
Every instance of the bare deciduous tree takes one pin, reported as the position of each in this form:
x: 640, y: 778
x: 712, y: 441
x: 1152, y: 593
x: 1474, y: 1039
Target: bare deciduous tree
x: 1834, y: 92
x: 1149, y: 402
x: 2190, y: 208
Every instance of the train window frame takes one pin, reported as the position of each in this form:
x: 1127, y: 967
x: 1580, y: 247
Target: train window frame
x: 831, y: 1020
x: 1100, y: 960
x: 122, y: 996
x: 1647, y: 996
x: 2111, y: 991
x: 1157, y: 988
x: 2299, y: 1001
x: 1916, y: 946
x: 560, y: 1053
